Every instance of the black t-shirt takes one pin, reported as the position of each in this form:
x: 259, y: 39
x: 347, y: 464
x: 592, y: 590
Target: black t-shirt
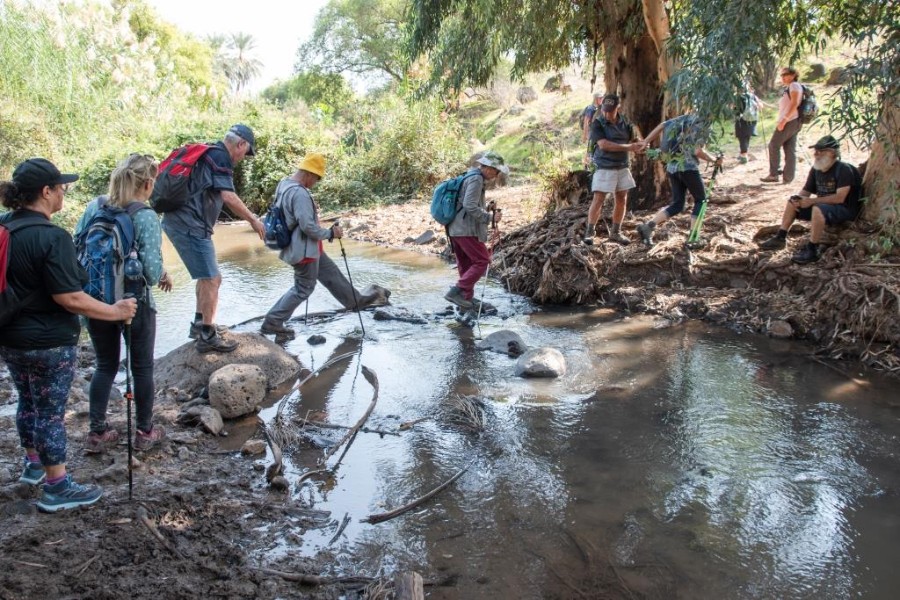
x: 826, y: 183
x: 42, y: 259
x: 620, y: 132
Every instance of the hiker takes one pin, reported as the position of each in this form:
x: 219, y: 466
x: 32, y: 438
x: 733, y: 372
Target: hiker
x: 468, y: 231
x: 749, y: 106
x: 130, y: 186
x: 786, y: 129
x: 681, y: 146
x: 40, y: 344
x: 305, y: 252
x: 587, y: 117
x: 612, y: 138
x: 836, y: 186
x: 190, y: 230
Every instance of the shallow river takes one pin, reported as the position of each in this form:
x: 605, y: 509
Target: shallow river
x: 671, y: 461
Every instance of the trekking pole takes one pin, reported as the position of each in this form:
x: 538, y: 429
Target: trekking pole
x: 488, y: 272
x: 129, y: 396
x: 695, y: 230
x: 350, y: 277
x: 765, y: 138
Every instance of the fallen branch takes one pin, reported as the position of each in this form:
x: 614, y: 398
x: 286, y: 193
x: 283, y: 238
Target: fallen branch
x: 85, y: 566
x: 324, y: 425
x: 344, y: 523
x: 410, y: 424
x: 314, y: 580
x: 144, y: 517
x: 373, y: 380
x: 387, y: 516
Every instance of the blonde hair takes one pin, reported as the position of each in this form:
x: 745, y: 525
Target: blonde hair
x: 129, y: 176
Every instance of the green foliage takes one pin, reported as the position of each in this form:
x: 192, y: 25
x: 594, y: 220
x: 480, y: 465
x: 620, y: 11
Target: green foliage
x: 326, y: 94
x: 356, y: 36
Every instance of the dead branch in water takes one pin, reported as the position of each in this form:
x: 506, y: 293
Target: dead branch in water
x: 387, y: 516
x: 370, y: 376
x: 324, y: 425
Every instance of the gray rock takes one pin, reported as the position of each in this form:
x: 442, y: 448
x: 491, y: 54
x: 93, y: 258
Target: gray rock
x: 253, y: 447
x: 184, y: 454
x: 816, y: 71
x: 541, y: 362
x: 526, y: 95
x: 499, y: 341
x: 837, y: 76
x: 6, y: 475
x: 236, y: 390
x: 426, y: 238
x: 279, y: 484
x: 205, y: 416
x: 186, y: 369
x: 393, y: 313
x: 516, y: 110
x: 315, y: 340
x: 374, y: 295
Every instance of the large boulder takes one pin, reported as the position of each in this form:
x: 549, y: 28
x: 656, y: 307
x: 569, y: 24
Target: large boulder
x: 236, y: 390
x: 526, y: 95
x: 186, y: 369
x: 541, y: 362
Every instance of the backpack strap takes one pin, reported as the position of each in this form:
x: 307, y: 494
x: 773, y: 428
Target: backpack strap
x: 13, y: 225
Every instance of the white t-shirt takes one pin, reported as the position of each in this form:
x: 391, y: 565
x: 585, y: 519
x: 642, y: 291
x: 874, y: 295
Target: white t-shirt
x: 784, y: 104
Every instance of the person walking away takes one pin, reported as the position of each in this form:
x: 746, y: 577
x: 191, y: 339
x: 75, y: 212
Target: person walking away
x: 837, y: 187
x: 587, y: 117
x: 745, y: 123
x: 190, y: 229
x: 681, y: 145
x: 305, y: 252
x: 786, y: 129
x: 130, y: 186
x: 39, y: 345
x: 468, y: 231
x: 612, y: 138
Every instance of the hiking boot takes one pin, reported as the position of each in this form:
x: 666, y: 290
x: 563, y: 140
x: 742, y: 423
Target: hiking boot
x: 146, y: 441
x: 588, y: 235
x: 455, y: 296
x: 742, y: 160
x: 775, y: 242
x: 211, y: 341
x: 617, y: 237
x: 807, y: 254
x: 646, y: 233
x: 98, y: 443
x: 32, y: 473
x: 270, y: 328
x: 196, y: 326
x: 770, y: 179
x: 68, y: 494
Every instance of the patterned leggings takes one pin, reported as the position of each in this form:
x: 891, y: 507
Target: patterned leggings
x: 43, y: 379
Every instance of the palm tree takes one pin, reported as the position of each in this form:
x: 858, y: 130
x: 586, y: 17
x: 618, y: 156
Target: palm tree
x: 243, y: 67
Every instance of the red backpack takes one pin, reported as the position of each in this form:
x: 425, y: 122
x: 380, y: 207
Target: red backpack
x: 12, y: 300
x: 171, y: 190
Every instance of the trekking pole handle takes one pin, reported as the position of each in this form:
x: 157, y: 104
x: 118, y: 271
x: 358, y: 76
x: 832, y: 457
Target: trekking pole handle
x: 128, y: 296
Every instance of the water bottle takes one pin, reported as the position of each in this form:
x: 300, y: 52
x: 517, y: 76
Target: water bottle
x: 134, y: 276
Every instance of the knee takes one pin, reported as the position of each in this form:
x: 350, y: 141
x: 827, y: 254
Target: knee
x: 818, y: 217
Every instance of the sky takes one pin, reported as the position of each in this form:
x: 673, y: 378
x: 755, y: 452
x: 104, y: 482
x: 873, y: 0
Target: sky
x: 277, y: 26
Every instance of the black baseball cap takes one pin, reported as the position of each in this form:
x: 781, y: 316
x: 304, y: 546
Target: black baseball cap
x: 35, y: 173
x: 610, y: 101
x: 246, y: 134
x: 827, y: 143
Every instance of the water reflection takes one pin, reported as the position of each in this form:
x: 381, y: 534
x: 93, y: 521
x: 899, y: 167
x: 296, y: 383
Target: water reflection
x: 695, y: 462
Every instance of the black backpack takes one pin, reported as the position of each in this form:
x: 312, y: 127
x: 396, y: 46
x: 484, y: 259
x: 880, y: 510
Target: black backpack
x: 808, y: 108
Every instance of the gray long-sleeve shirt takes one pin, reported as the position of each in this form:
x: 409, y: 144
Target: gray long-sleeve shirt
x: 473, y: 218
x: 301, y: 216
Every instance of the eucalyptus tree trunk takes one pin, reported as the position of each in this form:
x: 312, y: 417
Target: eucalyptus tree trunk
x: 882, y: 179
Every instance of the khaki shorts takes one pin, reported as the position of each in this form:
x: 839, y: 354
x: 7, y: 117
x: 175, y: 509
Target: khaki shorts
x: 612, y: 180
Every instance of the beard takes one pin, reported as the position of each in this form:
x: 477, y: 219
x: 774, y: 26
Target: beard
x: 825, y: 162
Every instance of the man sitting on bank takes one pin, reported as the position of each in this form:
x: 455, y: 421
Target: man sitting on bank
x: 836, y: 186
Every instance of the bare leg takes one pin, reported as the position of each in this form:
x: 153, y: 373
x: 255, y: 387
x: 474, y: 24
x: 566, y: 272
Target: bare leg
x: 596, y: 206
x: 619, y: 209
x: 817, y: 225
x: 208, y: 298
x: 790, y: 213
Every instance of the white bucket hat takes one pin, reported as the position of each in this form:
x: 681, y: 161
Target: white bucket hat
x: 492, y: 159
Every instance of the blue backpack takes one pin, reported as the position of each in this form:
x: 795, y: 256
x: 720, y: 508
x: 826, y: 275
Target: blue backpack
x: 102, y: 247
x: 278, y: 235
x: 445, y: 198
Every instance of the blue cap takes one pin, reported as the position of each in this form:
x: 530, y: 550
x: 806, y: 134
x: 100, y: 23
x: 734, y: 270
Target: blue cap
x: 246, y: 134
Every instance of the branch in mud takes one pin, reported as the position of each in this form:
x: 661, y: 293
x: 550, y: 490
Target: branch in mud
x: 387, y: 516
x: 315, y: 580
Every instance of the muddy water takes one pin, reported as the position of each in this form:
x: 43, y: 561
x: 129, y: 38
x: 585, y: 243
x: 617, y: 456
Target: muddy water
x: 671, y: 461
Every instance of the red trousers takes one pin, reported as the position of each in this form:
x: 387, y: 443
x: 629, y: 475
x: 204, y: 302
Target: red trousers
x: 472, y: 262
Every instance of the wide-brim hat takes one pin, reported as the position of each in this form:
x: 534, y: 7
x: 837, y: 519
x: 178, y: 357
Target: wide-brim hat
x: 313, y: 163
x: 494, y: 160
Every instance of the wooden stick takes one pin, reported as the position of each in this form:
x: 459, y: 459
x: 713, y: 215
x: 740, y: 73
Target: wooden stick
x: 373, y: 380
x: 324, y: 425
x: 409, y: 586
x: 387, y: 516
x: 344, y: 523
x: 409, y: 424
x: 86, y: 565
x: 144, y: 517
x: 314, y: 580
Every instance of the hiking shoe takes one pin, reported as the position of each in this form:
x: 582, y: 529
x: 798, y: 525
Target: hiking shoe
x: 455, y: 296
x: 214, y: 343
x: 770, y: 179
x: 196, y: 326
x: 98, y: 443
x: 742, y: 160
x: 697, y: 244
x: 270, y: 328
x: 773, y: 243
x: 146, y: 441
x: 32, y: 473
x: 618, y: 238
x: 646, y: 234
x: 68, y: 494
x: 807, y: 254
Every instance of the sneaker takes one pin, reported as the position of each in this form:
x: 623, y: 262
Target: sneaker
x: 807, y: 254
x: 697, y: 244
x: 270, y: 328
x: 775, y: 242
x: 455, y: 296
x: 646, y: 234
x: 770, y: 179
x: 742, y: 160
x: 146, y: 441
x: 32, y: 473
x: 68, y: 494
x: 214, y: 343
x: 98, y: 443
x: 196, y: 326
x: 618, y: 238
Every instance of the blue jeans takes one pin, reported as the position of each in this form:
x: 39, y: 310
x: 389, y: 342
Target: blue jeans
x: 43, y: 379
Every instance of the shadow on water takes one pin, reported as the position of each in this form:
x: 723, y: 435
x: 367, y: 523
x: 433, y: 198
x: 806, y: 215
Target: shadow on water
x: 670, y: 461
